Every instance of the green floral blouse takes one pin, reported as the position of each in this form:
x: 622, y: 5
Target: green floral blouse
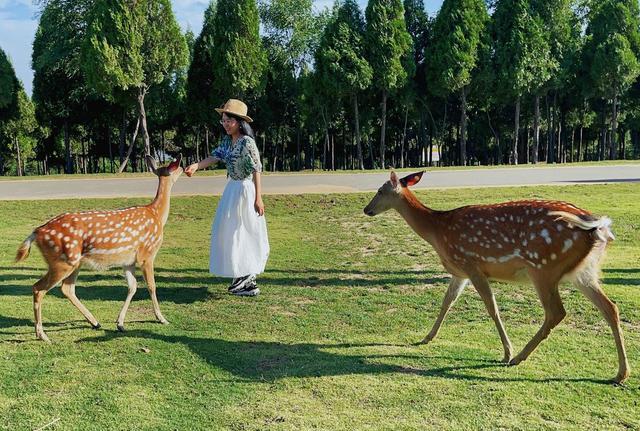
x: 242, y: 158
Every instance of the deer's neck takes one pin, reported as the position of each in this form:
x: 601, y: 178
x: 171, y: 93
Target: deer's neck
x: 421, y: 218
x: 161, y: 202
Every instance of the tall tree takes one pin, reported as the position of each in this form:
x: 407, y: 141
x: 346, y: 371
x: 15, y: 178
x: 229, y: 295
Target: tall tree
x: 238, y: 59
x: 202, y: 95
x: 9, y: 100
x: 18, y: 131
x: 388, y: 45
x: 340, y: 59
x: 59, y: 89
x: 457, y: 33
x: 521, y: 53
x: 612, y: 47
x: 130, y: 46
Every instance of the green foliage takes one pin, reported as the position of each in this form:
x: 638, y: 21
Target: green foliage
x: 132, y: 44
x: 457, y: 32
x: 340, y: 58
x: 388, y: 44
x: 613, y: 46
x: 239, y: 60
x: 291, y: 30
x: 9, y: 88
x: 522, y: 52
x: 202, y: 95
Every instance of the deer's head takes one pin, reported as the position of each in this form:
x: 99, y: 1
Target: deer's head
x: 173, y: 170
x: 390, y: 193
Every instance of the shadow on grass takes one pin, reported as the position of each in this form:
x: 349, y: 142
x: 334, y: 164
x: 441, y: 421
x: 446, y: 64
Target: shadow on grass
x: 609, y: 277
x: 170, y: 282
x: 271, y: 361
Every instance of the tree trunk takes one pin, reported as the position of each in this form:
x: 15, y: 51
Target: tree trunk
x: 463, y: 126
x: 143, y: 118
x: 68, y: 169
x: 613, y: 150
x: 514, y: 150
x: 19, y: 164
x: 124, y: 162
x: 551, y: 154
x: 384, y: 128
x: 357, y: 132
x: 536, y: 130
x: 404, y: 136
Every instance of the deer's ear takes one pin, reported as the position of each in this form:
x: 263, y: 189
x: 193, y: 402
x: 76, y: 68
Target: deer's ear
x: 394, y: 179
x: 174, y: 165
x: 151, y: 163
x: 411, y: 180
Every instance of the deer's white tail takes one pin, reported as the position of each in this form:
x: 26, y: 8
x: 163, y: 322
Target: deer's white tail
x: 23, y: 251
x: 601, y: 225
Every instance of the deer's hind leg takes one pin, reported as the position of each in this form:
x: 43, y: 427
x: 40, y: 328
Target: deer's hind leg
x: 481, y: 284
x: 587, y: 282
x: 133, y: 287
x: 69, y: 290
x: 57, y: 272
x: 554, y: 313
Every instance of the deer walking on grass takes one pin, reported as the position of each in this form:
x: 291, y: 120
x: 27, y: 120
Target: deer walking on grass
x: 103, y: 239
x: 545, y: 242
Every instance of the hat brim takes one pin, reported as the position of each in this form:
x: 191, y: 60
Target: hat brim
x: 225, y: 111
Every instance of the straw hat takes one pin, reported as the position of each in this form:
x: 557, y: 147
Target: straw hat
x: 235, y: 107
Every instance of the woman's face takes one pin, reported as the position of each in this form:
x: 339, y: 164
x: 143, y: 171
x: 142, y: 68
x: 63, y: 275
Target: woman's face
x: 230, y: 124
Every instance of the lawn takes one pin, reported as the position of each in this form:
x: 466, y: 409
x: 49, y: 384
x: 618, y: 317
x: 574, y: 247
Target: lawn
x: 328, y: 344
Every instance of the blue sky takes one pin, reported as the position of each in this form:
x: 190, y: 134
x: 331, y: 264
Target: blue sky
x: 18, y: 23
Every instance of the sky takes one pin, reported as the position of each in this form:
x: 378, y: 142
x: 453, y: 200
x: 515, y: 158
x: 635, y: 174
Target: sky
x: 19, y: 20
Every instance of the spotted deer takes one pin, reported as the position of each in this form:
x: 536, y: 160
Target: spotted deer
x: 544, y: 242
x: 103, y: 239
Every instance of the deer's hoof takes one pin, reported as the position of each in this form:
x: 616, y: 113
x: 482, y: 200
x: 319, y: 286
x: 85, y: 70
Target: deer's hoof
x: 164, y: 321
x: 620, y: 378
x: 515, y: 361
x: 43, y: 337
x: 425, y: 340
x: 96, y: 326
x: 120, y: 328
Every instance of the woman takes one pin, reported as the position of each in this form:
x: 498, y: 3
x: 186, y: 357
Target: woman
x: 239, y: 242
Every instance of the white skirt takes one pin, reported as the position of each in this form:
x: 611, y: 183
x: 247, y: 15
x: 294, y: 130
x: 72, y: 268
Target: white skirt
x: 239, y: 242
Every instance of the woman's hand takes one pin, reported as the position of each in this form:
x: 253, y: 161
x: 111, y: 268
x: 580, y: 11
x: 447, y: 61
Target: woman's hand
x: 191, y: 169
x: 259, y: 206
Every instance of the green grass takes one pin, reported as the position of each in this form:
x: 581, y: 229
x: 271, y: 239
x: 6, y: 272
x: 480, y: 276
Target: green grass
x: 218, y: 172
x: 328, y: 344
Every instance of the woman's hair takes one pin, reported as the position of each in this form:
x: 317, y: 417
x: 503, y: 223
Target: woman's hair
x: 245, y: 128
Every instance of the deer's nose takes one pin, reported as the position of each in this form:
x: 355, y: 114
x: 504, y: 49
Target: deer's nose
x: 368, y: 212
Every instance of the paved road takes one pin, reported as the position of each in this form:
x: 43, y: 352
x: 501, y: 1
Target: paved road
x: 317, y: 183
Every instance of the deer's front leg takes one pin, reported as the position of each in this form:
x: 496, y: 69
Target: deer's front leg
x: 133, y: 286
x: 482, y: 287
x: 456, y: 286
x: 147, y: 271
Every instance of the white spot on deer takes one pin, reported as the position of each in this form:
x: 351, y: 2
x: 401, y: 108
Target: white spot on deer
x: 491, y: 259
x: 567, y: 245
x: 532, y: 236
x: 544, y: 233
x: 524, y: 242
x: 47, y: 237
x: 544, y: 261
x: 559, y: 227
x: 553, y: 256
x: 575, y: 236
x: 60, y: 235
x: 53, y: 231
